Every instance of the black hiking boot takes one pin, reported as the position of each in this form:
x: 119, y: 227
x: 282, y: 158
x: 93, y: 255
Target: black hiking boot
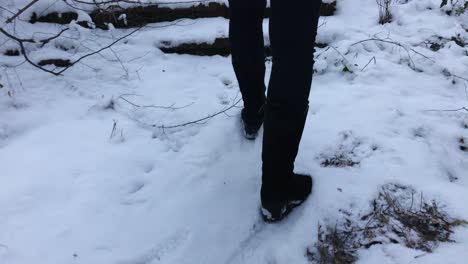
x: 276, y: 205
x: 252, y: 122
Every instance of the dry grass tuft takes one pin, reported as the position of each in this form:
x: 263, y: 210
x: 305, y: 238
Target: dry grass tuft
x: 398, y: 215
x: 385, y: 16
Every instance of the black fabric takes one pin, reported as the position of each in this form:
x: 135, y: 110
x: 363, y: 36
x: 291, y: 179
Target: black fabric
x: 294, y: 194
x: 293, y: 28
x: 252, y: 122
x: 247, y: 50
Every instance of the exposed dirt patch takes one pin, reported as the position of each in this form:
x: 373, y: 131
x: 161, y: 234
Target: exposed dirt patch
x: 321, y: 45
x: 398, y: 215
x: 139, y: 16
x: 58, y: 18
x: 435, y: 46
x: 328, y: 9
x: 11, y: 52
x: 56, y: 62
x: 219, y: 47
x: 349, y: 152
x: 458, y: 40
x: 437, y: 43
x: 339, y: 160
x: 462, y: 144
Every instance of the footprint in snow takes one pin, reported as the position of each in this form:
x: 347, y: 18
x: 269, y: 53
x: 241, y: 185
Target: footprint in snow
x: 227, y: 82
x: 224, y: 99
x: 133, y: 194
x: 161, y: 250
x: 135, y: 187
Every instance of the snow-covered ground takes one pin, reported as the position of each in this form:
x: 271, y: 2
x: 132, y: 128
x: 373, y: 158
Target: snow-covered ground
x: 87, y: 177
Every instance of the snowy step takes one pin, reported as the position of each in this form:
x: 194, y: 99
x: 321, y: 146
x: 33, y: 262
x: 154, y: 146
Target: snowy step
x: 220, y: 46
x: 142, y: 15
x: 201, y: 37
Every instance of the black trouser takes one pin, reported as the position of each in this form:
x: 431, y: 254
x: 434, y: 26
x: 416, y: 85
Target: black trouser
x: 293, y: 28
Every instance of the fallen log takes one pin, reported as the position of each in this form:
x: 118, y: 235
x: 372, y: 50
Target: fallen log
x: 141, y: 15
x: 219, y: 47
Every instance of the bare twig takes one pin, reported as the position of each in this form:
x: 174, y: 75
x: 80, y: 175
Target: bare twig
x: 26, y: 57
x: 4, y: 32
x: 413, y: 65
x: 47, y: 40
x: 23, y: 49
x: 170, y: 107
x: 447, y: 110
x: 372, y: 59
x: 198, y: 121
x: 22, y: 41
x: 341, y: 54
x: 21, y: 11
x: 98, y: 51
x: 9, y: 11
x: 114, y: 128
x: 120, y: 62
x: 456, y: 76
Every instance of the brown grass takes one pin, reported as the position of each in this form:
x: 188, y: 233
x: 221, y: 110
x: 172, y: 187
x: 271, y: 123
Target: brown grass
x: 385, y: 16
x: 398, y: 215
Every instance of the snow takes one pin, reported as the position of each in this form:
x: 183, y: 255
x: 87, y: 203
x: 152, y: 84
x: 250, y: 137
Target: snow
x: 76, y: 190
x: 44, y: 7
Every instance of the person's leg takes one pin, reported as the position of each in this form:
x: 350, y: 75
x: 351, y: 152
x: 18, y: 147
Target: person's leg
x: 293, y: 28
x: 247, y: 49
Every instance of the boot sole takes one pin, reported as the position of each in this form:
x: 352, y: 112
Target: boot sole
x: 268, y: 217
x: 289, y: 207
x: 248, y: 136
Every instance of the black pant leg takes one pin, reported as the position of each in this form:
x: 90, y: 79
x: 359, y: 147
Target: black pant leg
x: 293, y: 28
x: 247, y: 49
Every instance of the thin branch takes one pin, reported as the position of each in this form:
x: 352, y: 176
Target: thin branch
x: 422, y: 55
x: 21, y: 11
x: 447, y: 110
x: 4, y: 32
x: 97, y: 51
x: 114, y: 128
x: 372, y: 59
x: 120, y: 62
x: 201, y: 119
x: 170, y: 107
x: 346, y: 62
x: 413, y: 65
x: 26, y: 57
x: 111, y: 44
x: 45, y: 41
x: 3, y: 8
x: 456, y: 76
x: 23, y: 49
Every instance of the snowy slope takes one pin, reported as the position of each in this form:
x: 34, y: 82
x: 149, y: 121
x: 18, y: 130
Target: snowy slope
x: 86, y: 177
